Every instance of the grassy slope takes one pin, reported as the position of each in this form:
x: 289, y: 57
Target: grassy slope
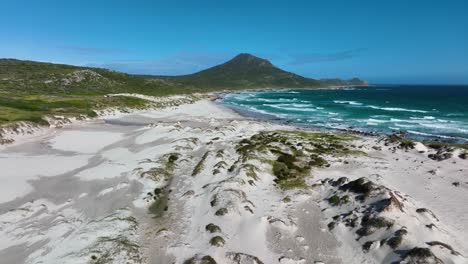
x: 33, y: 108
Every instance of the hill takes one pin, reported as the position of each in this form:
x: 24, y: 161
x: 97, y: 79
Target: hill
x: 245, y: 71
x: 241, y: 72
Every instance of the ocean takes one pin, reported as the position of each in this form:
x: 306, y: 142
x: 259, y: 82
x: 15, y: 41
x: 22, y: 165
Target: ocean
x: 432, y: 112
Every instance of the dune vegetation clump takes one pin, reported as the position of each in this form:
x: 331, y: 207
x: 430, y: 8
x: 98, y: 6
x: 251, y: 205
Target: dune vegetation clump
x: 295, y: 153
x: 212, y: 228
x: 217, y: 241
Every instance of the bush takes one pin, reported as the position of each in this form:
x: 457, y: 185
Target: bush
x: 217, y: 241
x: 212, y: 228
x: 361, y: 185
x: 420, y: 252
x: 221, y: 212
x: 280, y: 170
x: 395, y: 241
x: 336, y: 200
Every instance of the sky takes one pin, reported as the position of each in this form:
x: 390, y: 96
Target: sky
x: 404, y: 42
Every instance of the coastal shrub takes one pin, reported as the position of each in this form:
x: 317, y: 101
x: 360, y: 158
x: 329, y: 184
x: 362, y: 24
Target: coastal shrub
x: 200, y: 260
x: 214, y: 201
x: 292, y: 183
x: 287, y: 159
x: 221, y: 164
x: 422, y: 210
x: 158, y: 191
x: 212, y: 228
x: 92, y: 114
x: 420, y: 252
x: 336, y: 200
x: 317, y: 161
x: 217, y: 241
x: 242, y: 258
x: 250, y: 171
x: 340, y: 181
x: 378, y: 222
x: 280, y: 170
x: 232, y: 168
x: 366, y: 246
x: 395, y: 241
x: 207, y: 260
x: 221, y: 212
x: 173, y: 157
x: 219, y: 153
x: 369, y: 224
x: 360, y: 186
x: 344, y: 199
x: 406, y: 144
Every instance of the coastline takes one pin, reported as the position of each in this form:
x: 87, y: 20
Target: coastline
x: 110, y: 182
x: 217, y: 94
x: 402, y: 129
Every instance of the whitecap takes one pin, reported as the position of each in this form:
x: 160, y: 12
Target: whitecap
x: 302, y: 109
x: 433, y: 135
x: 279, y: 100
x: 377, y: 120
x: 347, y: 102
x: 302, y: 105
x: 454, y: 114
x: 401, y: 125
x: 396, y: 109
x: 423, y: 118
x: 372, y: 124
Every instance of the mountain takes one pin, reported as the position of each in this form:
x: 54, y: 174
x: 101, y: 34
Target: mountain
x: 246, y: 71
x: 241, y: 72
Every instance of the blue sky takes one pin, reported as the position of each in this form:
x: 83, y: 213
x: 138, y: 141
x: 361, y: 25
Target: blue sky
x: 395, y: 41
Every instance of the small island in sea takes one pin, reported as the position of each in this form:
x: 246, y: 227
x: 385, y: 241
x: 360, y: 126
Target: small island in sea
x: 102, y: 166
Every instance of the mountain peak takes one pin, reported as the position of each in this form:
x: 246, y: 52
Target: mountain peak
x: 249, y: 59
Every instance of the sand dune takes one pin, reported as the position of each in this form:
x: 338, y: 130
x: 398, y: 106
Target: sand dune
x: 195, y: 183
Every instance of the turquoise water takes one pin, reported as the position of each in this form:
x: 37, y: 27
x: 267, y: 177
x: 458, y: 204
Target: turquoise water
x: 429, y: 112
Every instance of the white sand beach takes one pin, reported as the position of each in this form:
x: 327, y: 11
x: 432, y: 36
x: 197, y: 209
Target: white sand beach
x: 189, y: 184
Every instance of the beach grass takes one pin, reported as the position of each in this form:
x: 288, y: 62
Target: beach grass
x: 34, y: 108
x: 296, y: 152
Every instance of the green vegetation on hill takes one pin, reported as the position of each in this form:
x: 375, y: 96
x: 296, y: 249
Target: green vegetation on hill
x: 245, y: 71
x: 29, y: 90
x: 242, y: 72
x: 33, y: 108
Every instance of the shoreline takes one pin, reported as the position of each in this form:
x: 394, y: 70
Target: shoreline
x: 217, y: 93
x: 419, y: 136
